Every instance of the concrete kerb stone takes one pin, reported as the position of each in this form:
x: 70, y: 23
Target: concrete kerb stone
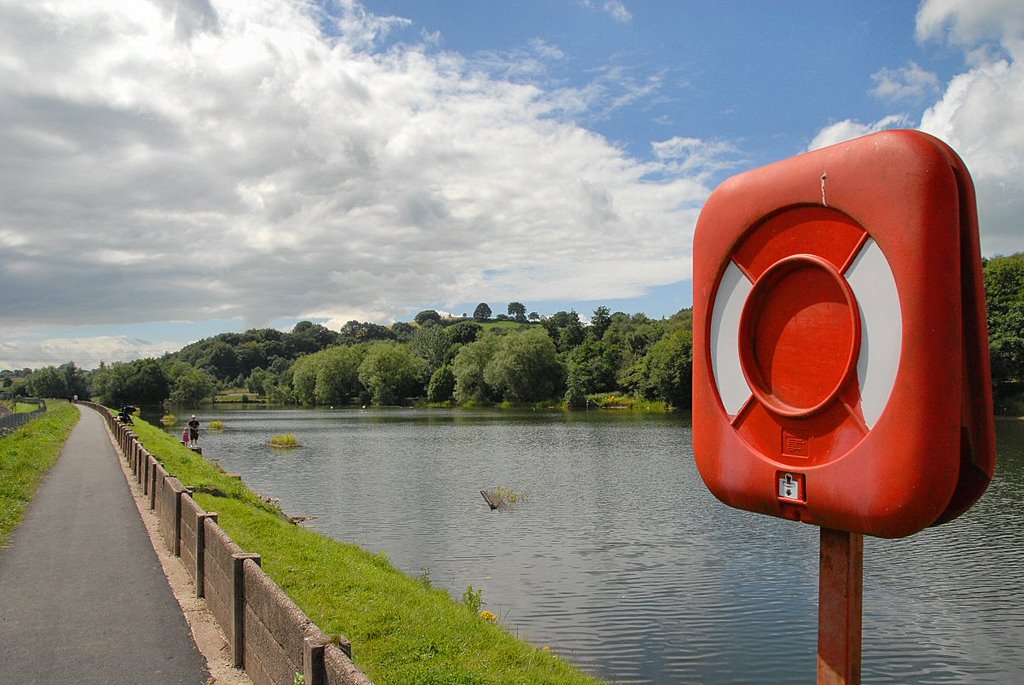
x: 189, y: 538
x: 238, y: 605
x: 159, y: 474
x: 147, y: 470
x: 217, y: 573
x: 284, y: 623
x: 137, y: 460
x: 177, y: 489
x: 153, y: 475
x: 140, y: 464
x: 201, y: 550
x: 339, y: 669
x: 314, y: 671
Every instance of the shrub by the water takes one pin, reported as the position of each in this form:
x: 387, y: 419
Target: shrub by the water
x: 284, y: 441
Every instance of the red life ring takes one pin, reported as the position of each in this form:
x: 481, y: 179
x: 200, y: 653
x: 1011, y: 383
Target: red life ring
x: 840, y: 360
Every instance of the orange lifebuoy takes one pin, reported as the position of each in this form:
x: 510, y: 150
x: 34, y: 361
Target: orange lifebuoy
x: 840, y: 362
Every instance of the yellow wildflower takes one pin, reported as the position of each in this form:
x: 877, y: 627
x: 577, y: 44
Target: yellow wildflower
x: 488, y: 616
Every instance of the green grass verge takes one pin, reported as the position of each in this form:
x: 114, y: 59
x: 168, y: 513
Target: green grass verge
x: 402, y: 630
x: 25, y: 456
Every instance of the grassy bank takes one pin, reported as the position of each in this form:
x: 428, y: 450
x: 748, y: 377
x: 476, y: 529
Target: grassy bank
x: 25, y: 456
x: 402, y: 630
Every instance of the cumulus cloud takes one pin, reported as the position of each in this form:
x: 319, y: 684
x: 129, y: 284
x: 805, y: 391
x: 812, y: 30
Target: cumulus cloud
x: 848, y: 129
x: 202, y: 159
x: 87, y: 352
x: 909, y: 82
x: 980, y: 27
x: 980, y: 112
x: 697, y: 157
x: 617, y: 11
x: 613, y: 8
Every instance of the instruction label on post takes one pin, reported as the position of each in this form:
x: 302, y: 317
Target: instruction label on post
x: 789, y: 487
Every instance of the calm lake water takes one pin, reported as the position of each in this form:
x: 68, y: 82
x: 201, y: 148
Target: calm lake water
x: 620, y: 560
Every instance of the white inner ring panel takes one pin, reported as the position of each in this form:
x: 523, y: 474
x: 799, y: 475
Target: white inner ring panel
x: 725, y: 344
x: 881, y: 323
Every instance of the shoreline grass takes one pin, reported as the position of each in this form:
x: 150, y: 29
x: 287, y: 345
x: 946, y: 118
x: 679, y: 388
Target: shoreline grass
x: 25, y: 457
x: 288, y: 441
x: 402, y: 629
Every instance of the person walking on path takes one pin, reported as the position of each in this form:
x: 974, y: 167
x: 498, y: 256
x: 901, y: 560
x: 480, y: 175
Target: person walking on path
x: 84, y: 599
x: 193, y: 432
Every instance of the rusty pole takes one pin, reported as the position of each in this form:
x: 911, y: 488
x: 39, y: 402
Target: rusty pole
x: 840, y: 594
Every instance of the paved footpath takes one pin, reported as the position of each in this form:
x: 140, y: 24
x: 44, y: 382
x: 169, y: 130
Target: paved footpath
x: 83, y: 598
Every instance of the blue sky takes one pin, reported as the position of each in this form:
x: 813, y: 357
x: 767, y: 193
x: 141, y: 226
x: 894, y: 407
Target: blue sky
x: 172, y: 169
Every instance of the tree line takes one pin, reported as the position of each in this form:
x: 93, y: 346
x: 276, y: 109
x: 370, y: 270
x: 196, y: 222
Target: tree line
x: 515, y: 358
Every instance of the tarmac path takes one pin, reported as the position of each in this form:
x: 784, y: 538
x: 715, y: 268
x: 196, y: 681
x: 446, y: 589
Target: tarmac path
x: 83, y: 598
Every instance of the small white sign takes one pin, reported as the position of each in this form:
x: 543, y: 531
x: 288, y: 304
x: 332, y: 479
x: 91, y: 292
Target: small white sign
x: 789, y: 487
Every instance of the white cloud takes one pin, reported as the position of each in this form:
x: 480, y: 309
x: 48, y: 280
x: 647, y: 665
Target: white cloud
x: 981, y: 112
x: 617, y: 11
x: 977, y: 26
x: 694, y: 156
x: 849, y: 129
x: 187, y: 160
x: 87, y: 352
x: 909, y: 82
x: 613, y: 8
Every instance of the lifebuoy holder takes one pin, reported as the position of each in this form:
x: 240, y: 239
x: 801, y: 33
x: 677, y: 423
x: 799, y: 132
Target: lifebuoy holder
x: 839, y: 347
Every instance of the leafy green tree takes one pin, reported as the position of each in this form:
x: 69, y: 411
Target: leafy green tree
x: 48, y: 382
x: 427, y: 315
x: 359, y: 332
x: 258, y: 382
x: 193, y: 388
x: 403, y: 331
x: 221, y: 360
x: 525, y: 367
x: 442, y: 385
x: 575, y: 392
x: 594, y: 365
x: 391, y: 373
x: 279, y: 388
x: 17, y: 386
x: 600, y: 322
x: 565, y: 329
x: 463, y: 332
x: 337, y: 374
x: 571, y: 336
x: 517, y: 311
x: 304, y: 378
x: 1004, y: 295
x: 307, y: 337
x: 534, y: 316
x: 666, y: 371
x: 469, y: 365
x: 482, y: 312
x: 138, y: 382
x: 431, y: 343
x: 633, y: 335
x: 329, y: 376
